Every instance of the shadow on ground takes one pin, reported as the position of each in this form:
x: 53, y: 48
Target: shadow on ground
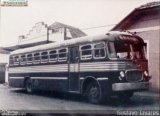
x: 135, y: 101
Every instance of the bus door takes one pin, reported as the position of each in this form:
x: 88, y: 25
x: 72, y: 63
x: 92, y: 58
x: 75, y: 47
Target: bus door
x: 74, y: 82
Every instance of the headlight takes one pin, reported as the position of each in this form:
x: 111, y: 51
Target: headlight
x: 122, y: 75
x: 145, y: 73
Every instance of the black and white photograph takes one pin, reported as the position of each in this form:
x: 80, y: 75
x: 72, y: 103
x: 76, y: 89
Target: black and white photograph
x: 80, y: 57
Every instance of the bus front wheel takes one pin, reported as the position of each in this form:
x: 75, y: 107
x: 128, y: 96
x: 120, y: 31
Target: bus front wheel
x: 94, y: 93
x: 28, y: 86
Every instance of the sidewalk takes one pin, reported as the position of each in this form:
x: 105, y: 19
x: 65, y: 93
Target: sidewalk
x: 5, y: 84
x: 148, y: 93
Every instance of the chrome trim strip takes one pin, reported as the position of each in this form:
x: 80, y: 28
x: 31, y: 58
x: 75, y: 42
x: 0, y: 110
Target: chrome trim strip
x: 54, y: 78
x: 102, y: 78
x: 16, y: 77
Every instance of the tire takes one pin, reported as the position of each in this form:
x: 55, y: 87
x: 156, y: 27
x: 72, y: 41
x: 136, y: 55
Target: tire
x: 28, y: 86
x: 93, y: 93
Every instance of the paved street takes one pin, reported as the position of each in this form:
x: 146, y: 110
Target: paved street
x: 13, y: 99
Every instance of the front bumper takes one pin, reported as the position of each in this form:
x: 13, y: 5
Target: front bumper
x: 137, y: 86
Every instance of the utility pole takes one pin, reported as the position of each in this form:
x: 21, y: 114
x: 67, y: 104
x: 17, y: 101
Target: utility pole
x: 65, y: 33
x: 48, y: 34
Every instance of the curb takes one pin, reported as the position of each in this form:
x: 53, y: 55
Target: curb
x: 150, y: 94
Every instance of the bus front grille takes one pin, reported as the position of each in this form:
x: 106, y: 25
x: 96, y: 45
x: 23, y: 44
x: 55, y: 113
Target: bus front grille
x: 134, y: 75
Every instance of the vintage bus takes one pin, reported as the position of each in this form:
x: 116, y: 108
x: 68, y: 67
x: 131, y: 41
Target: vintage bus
x: 97, y: 67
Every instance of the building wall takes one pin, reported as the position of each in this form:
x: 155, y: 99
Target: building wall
x: 39, y: 32
x: 2, y: 73
x: 148, y: 27
x: 4, y: 58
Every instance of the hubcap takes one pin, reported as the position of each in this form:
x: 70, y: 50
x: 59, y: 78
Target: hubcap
x: 94, y: 92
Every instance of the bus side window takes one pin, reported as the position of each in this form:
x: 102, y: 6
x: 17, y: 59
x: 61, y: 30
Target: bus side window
x: 111, y: 50
x: 29, y: 59
x: 44, y: 57
x: 16, y: 60
x: 11, y: 61
x: 86, y: 52
x: 23, y: 59
x: 53, y: 56
x: 99, y: 51
x: 62, y: 55
x: 36, y: 58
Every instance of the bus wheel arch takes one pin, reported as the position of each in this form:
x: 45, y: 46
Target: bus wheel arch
x: 91, y: 89
x: 28, y: 85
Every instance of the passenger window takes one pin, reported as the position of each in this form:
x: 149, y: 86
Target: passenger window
x: 16, y: 60
x: 36, y: 58
x: 29, y: 58
x: 99, y: 51
x: 23, y: 60
x: 53, y: 56
x: 62, y: 55
x: 112, y: 50
x: 86, y: 52
x: 44, y: 57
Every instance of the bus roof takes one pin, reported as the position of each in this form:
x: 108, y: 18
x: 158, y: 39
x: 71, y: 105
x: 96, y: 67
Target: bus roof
x: 111, y: 36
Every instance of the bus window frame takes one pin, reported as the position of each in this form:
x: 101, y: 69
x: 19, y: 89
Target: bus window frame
x: 16, y: 63
x: 29, y: 61
x: 44, y: 60
x: 104, y: 48
x: 108, y: 53
x: 87, y: 57
x: 39, y: 58
x: 23, y: 62
x: 52, y: 59
x: 64, y: 59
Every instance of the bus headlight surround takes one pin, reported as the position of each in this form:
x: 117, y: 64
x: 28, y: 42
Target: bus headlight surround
x: 145, y: 73
x: 121, y: 75
x: 147, y: 77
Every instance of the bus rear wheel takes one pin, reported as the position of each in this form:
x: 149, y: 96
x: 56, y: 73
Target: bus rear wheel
x: 94, y: 95
x: 28, y: 86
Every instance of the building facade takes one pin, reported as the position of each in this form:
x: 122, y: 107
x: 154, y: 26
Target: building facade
x: 4, y: 60
x: 145, y: 21
x: 39, y: 34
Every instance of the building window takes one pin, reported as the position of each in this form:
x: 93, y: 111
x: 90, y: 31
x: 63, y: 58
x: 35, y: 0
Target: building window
x: 99, y: 51
x: 86, y: 52
x: 62, y: 55
x: 53, y: 56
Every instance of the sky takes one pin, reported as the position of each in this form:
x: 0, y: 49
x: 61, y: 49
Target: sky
x: 83, y: 14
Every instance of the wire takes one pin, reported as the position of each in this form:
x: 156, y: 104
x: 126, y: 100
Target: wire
x: 98, y: 27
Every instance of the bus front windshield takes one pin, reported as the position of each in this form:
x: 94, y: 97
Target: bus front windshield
x: 124, y: 50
